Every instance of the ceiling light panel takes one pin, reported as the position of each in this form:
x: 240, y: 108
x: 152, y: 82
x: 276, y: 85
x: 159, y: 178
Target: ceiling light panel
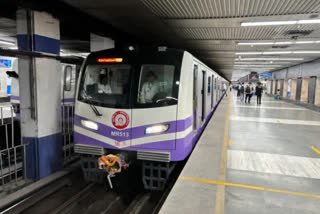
x: 278, y: 43
x: 271, y: 23
x: 270, y: 59
x: 277, y: 52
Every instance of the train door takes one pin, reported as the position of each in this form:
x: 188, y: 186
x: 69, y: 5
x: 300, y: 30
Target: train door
x: 298, y: 90
x: 271, y: 87
x: 212, y: 97
x: 195, y: 98
x: 312, y: 89
x: 276, y: 87
x: 203, y: 96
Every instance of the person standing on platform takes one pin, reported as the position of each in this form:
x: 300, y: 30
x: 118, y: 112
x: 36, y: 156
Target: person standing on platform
x: 248, y: 92
x: 259, y: 90
x: 241, y: 91
x: 224, y: 89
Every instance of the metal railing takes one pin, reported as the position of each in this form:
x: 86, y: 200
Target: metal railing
x: 11, y: 150
x: 67, y: 133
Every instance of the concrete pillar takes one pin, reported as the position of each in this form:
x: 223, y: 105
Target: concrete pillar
x: 285, y: 88
x: 317, y: 98
x: 278, y: 87
x: 293, y: 89
x: 40, y: 96
x: 304, y: 90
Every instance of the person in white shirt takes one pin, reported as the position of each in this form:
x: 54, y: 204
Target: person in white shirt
x: 225, y: 89
x: 103, y: 85
x: 149, y: 88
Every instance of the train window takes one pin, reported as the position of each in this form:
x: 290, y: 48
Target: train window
x: 106, y: 85
x: 209, y: 85
x: 156, y: 85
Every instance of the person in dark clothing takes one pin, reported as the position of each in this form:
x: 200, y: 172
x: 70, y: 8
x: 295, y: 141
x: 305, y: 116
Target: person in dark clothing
x: 259, y: 90
x: 241, y: 92
x: 248, y: 91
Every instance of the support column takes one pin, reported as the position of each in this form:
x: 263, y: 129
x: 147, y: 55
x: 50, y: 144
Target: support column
x: 40, y: 93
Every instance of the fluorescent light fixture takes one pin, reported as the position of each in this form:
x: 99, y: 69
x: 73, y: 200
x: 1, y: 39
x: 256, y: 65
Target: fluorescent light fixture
x: 282, y: 43
x: 306, y: 52
x: 248, y: 53
x: 264, y: 66
x: 260, y: 63
x: 89, y: 124
x: 271, y: 23
x: 309, y: 21
x: 263, y: 53
x: 277, y: 52
x: 278, y: 43
x: 255, y: 43
x: 307, y: 42
x: 7, y: 42
x: 157, y: 129
x: 269, y: 59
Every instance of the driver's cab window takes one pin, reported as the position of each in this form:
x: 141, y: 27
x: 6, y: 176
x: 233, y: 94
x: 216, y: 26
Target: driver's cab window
x: 156, y: 84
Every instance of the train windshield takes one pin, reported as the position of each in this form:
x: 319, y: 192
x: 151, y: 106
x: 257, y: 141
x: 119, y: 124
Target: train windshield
x: 156, y: 85
x: 106, y: 85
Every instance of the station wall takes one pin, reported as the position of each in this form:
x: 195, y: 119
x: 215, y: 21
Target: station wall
x: 299, y: 84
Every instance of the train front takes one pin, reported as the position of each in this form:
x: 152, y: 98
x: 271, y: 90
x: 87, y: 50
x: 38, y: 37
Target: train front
x: 126, y: 112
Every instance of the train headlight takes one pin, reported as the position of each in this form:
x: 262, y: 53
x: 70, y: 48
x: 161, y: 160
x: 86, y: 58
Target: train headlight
x: 156, y: 129
x: 89, y: 124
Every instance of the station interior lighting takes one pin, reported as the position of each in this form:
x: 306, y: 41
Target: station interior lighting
x: 7, y: 43
x: 269, y: 59
x: 277, y: 52
x: 264, y: 66
x: 260, y: 63
x: 270, y: 23
x: 278, y: 43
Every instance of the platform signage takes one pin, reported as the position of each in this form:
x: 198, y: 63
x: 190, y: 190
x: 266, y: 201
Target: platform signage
x: 289, y: 88
x: 266, y: 75
x: 7, y: 63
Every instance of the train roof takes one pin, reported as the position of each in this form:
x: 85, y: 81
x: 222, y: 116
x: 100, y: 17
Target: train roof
x: 136, y: 52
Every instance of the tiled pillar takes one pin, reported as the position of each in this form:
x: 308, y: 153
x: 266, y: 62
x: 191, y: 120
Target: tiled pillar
x: 40, y: 93
x: 317, y: 98
x: 293, y: 89
x: 304, y: 90
x: 285, y: 88
x: 279, y: 86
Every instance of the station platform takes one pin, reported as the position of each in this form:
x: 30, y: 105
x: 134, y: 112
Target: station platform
x: 252, y: 159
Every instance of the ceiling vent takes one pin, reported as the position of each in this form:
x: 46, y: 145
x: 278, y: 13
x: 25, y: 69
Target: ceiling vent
x: 280, y: 46
x: 299, y: 32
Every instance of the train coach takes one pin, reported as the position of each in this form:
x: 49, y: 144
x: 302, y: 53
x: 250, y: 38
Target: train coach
x: 149, y: 105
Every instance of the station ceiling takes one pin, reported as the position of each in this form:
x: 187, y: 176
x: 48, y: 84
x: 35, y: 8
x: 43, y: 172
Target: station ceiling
x: 212, y: 29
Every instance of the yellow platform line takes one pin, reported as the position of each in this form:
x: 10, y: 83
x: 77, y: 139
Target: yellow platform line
x: 250, y: 187
x: 314, y: 149
x: 220, y: 194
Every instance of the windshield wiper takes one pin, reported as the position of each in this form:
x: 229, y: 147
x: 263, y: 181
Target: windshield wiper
x: 94, y: 109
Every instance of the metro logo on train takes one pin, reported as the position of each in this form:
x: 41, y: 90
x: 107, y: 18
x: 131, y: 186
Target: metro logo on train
x: 120, y: 119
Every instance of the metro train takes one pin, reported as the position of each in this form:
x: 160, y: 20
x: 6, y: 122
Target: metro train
x: 116, y: 113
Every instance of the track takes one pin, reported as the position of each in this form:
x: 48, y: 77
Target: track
x: 72, y: 195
